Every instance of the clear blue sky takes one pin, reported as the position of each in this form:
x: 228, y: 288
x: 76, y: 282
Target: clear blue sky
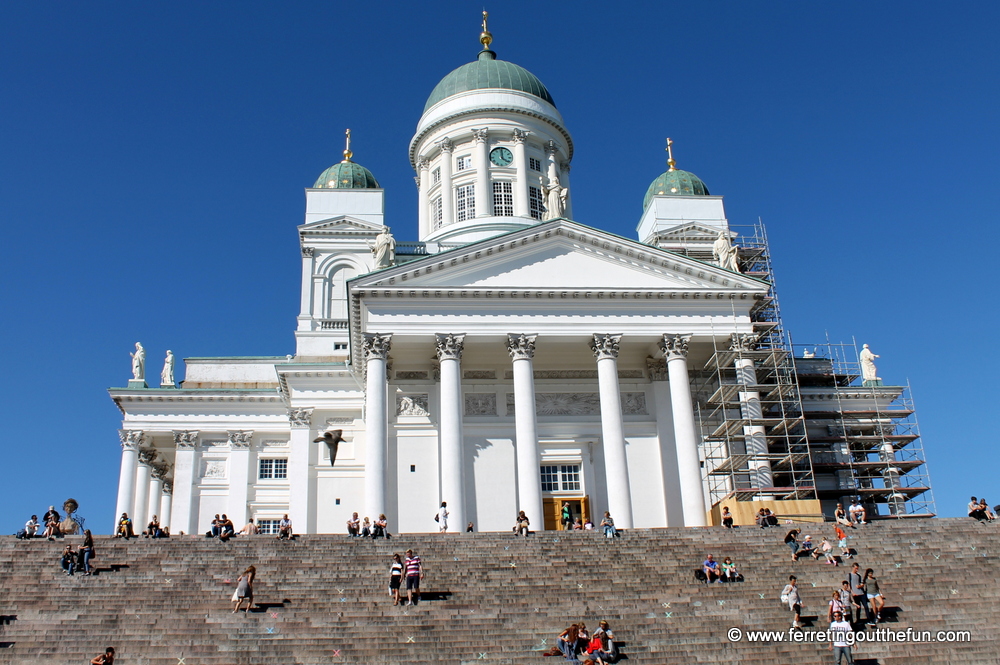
x: 153, y: 157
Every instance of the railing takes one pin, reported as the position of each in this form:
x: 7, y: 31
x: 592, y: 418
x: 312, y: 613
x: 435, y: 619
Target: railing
x: 333, y: 324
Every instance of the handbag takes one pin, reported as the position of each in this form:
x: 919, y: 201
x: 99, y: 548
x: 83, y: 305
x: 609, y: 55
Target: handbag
x: 437, y: 518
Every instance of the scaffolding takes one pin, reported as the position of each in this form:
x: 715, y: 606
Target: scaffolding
x: 864, y: 439
x: 754, y: 444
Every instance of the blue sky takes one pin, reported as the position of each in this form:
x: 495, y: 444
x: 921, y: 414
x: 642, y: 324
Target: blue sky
x: 153, y: 157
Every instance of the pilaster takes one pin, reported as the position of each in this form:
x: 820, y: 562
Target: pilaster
x: 301, y: 482
x: 185, y: 470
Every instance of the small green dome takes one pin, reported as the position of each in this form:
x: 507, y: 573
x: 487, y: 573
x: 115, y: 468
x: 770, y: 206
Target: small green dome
x: 346, y: 175
x: 675, y: 183
x: 488, y: 72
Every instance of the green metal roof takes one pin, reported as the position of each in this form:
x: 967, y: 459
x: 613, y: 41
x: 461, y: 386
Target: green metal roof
x: 346, y: 175
x: 488, y: 72
x: 675, y: 183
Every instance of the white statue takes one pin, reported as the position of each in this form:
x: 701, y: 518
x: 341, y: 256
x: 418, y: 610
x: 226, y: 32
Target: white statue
x: 555, y: 199
x: 167, y: 375
x: 725, y: 253
x: 384, y: 249
x: 868, y: 371
x: 138, y: 363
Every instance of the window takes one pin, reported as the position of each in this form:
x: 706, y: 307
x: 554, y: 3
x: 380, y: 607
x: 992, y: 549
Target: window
x: 534, y: 164
x: 466, y: 208
x: 268, y: 527
x: 273, y: 468
x: 437, y: 215
x: 436, y: 176
x: 503, y: 199
x: 535, y: 202
x: 464, y: 163
x: 560, y: 477
x: 340, y: 346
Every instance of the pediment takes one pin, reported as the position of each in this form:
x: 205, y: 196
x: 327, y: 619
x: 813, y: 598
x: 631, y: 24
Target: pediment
x: 560, y: 255
x: 692, y: 231
x: 341, y: 224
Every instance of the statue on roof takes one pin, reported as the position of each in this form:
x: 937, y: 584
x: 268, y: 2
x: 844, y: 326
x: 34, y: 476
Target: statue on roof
x: 138, y: 363
x: 868, y: 370
x: 384, y: 249
x: 725, y: 253
x: 555, y: 199
x: 167, y: 375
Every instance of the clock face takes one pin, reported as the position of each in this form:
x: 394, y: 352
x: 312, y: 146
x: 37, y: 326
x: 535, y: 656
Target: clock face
x: 501, y: 156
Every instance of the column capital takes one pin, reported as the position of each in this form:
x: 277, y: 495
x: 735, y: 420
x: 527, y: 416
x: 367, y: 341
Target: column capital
x: 186, y: 439
x: 423, y: 164
x: 168, y: 487
x: 449, y: 346
x: 675, y: 346
x: 521, y: 347
x: 375, y: 346
x: 564, y: 167
x: 301, y: 417
x: 481, y: 135
x: 446, y: 145
x: 160, y: 470
x: 551, y: 148
x: 307, y: 252
x: 148, y: 456
x: 657, y: 369
x: 240, y: 439
x: 131, y: 439
x: 744, y: 342
x: 519, y: 135
x: 605, y: 346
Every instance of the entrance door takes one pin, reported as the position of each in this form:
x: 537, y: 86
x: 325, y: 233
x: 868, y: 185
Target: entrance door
x: 579, y: 508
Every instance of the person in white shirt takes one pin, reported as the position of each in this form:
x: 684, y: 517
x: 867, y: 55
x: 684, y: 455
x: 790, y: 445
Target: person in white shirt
x: 840, y: 643
x: 442, y: 516
x: 857, y: 512
x: 31, y: 527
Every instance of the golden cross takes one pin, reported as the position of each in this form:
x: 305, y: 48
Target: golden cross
x: 670, y: 155
x: 347, y: 147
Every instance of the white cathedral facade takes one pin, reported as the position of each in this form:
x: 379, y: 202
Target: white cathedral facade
x: 511, y: 359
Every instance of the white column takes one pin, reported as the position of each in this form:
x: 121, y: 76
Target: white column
x: 673, y: 503
x: 423, y: 201
x: 300, y: 509
x: 155, y: 494
x: 306, y: 296
x: 449, y: 353
x: 564, y: 181
x: 484, y: 192
x: 139, y: 515
x: 551, y: 166
x: 753, y: 435
x: 376, y: 351
x: 529, y: 482
x: 613, y: 429
x: 185, y: 472
x: 447, y: 187
x: 521, y: 206
x: 166, y: 504
x: 685, y: 433
x: 240, y: 443
x: 131, y: 440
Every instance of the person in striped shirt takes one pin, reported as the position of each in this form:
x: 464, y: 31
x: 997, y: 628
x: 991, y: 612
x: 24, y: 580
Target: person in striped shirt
x: 414, y: 573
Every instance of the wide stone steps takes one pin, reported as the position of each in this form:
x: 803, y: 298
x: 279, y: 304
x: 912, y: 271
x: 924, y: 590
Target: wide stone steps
x: 490, y: 598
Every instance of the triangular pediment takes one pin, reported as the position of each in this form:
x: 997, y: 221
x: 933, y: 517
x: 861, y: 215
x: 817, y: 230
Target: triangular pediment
x: 340, y: 224
x: 692, y: 231
x: 559, y: 255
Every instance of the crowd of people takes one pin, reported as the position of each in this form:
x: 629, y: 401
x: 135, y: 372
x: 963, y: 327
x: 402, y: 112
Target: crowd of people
x: 367, y: 529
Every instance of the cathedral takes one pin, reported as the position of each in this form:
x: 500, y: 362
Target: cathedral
x: 513, y: 359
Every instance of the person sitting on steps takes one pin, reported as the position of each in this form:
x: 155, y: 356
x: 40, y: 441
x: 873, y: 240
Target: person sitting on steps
x: 366, y: 528
x: 711, y: 569
x: 792, y: 542
x: 68, y: 560
x: 354, y: 526
x: 124, y: 529
x: 608, y: 524
x: 106, y: 658
x: 729, y: 572
x: 152, y: 529
x: 381, y: 529
x: 285, y: 528
x: 521, y: 525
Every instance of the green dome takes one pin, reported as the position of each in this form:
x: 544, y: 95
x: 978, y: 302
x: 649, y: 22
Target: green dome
x: 675, y: 183
x: 488, y: 72
x: 346, y: 175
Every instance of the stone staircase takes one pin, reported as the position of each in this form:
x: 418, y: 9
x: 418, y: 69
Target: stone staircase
x: 489, y: 598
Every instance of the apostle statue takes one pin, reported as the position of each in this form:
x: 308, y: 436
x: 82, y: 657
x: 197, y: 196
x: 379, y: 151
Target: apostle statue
x: 868, y: 370
x: 725, y: 253
x: 555, y: 199
x: 384, y: 249
x: 167, y: 375
x: 138, y: 363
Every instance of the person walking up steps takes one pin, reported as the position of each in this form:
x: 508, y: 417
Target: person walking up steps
x: 414, y: 573
x: 790, y: 595
x: 244, y: 589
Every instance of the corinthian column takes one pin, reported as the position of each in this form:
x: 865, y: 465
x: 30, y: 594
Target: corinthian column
x: 423, y: 202
x: 447, y: 188
x: 376, y: 351
x: 140, y: 517
x: 131, y: 440
x: 685, y: 434
x: 449, y: 353
x: 521, y: 206
x: 484, y: 195
x: 166, y: 504
x: 185, y: 465
x: 529, y: 485
x: 613, y: 429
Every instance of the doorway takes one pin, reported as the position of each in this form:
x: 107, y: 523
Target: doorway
x: 579, y: 508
